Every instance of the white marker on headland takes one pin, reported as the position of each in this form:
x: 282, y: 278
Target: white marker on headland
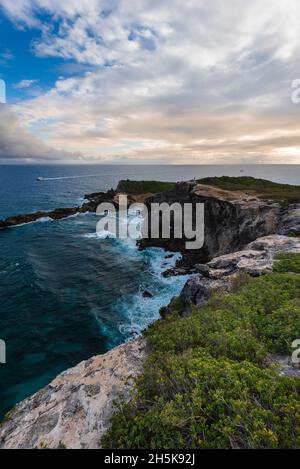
x: 2, y: 92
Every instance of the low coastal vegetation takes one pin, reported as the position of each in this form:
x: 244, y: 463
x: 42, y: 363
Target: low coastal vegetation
x: 207, y: 382
x: 269, y: 190
x: 285, y: 262
x: 144, y: 187
x: 283, y: 193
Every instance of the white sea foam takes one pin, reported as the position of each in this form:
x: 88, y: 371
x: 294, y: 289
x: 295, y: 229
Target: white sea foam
x: 44, y: 219
x: 47, y: 219
x: 138, y: 312
x: 100, y: 235
x: 39, y: 220
x: 77, y: 214
x: 71, y: 177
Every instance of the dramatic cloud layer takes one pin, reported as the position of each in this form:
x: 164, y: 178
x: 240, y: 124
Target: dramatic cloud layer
x: 17, y: 143
x: 167, y: 81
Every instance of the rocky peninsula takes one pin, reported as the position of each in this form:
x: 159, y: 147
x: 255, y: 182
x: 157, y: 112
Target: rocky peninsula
x: 250, y: 261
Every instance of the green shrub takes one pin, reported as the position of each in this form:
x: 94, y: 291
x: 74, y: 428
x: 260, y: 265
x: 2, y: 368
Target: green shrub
x: 237, y: 325
x: 206, y: 383
x: 144, y: 187
x: 287, y: 262
x: 282, y: 326
x: 195, y: 401
x: 222, y: 333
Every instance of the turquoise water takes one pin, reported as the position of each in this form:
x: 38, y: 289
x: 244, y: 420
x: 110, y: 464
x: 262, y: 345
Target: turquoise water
x: 66, y: 294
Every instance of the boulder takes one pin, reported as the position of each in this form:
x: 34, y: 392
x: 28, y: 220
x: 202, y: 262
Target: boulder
x: 147, y: 294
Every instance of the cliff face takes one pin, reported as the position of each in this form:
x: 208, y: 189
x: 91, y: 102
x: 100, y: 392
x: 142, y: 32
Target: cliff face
x: 74, y: 410
x: 232, y: 219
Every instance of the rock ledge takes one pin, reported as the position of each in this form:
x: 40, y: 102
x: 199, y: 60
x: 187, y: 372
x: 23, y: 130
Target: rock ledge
x: 74, y: 410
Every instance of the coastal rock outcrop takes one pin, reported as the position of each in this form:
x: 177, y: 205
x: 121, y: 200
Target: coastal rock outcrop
x: 255, y: 259
x: 93, y: 200
x: 74, y: 410
x: 290, y: 221
x: 232, y: 220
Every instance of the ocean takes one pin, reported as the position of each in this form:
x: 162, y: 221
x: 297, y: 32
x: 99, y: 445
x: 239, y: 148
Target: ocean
x: 67, y: 295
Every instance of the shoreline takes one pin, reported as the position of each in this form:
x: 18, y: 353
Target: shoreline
x: 254, y: 259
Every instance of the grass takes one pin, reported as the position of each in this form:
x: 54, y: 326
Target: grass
x: 206, y: 383
x: 144, y: 187
x: 283, y: 193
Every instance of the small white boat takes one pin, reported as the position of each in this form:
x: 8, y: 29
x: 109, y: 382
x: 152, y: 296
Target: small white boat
x: 40, y: 178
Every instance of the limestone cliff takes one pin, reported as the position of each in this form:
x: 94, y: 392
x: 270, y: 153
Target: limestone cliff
x: 232, y: 220
x: 73, y: 411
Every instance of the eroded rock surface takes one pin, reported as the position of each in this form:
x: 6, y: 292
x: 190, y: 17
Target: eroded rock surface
x: 74, y: 410
x: 232, y: 220
x: 255, y: 259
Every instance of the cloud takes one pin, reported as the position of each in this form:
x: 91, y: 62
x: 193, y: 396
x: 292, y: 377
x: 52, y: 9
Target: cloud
x: 16, y: 143
x: 25, y: 84
x: 6, y: 57
x: 163, y: 81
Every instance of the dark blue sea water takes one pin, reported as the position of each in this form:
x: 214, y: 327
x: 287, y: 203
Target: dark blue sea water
x: 66, y: 294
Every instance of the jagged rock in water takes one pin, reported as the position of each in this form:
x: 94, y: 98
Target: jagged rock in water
x: 147, y: 294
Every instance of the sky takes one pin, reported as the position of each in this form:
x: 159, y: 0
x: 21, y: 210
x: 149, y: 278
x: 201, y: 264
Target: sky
x: 150, y: 81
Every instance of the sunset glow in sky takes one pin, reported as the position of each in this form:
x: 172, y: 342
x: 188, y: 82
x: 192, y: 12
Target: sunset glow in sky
x: 150, y: 81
